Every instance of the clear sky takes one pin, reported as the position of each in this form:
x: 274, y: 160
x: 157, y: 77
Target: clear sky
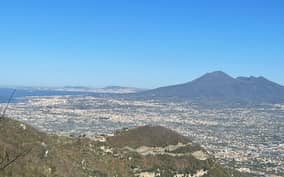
x: 141, y: 43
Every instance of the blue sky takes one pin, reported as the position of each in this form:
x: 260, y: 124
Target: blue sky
x: 141, y: 43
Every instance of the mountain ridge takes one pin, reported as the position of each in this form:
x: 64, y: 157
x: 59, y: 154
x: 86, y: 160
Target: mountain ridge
x: 219, y: 86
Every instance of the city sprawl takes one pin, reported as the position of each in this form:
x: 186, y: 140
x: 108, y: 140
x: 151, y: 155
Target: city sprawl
x: 249, y: 139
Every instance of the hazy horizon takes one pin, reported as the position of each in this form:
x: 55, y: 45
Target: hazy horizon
x: 118, y: 85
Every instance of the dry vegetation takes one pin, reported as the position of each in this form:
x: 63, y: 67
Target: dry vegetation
x: 26, y: 152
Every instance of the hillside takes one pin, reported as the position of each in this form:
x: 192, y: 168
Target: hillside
x: 151, y: 151
x: 147, y: 136
x: 220, y: 87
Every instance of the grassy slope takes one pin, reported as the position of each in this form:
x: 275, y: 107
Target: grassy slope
x: 147, y: 136
x: 80, y: 157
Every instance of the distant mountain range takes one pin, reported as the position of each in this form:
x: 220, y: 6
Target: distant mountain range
x: 22, y: 92
x: 119, y: 90
x: 108, y: 89
x: 220, y: 87
x: 211, y: 88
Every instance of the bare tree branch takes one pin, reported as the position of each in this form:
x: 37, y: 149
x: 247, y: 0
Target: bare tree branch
x: 9, y: 101
x: 9, y: 161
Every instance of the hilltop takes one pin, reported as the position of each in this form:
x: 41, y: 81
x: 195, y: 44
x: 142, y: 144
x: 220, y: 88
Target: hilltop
x: 153, y: 136
x: 144, y: 151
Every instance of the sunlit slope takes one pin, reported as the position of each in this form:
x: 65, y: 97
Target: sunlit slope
x: 148, y: 150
